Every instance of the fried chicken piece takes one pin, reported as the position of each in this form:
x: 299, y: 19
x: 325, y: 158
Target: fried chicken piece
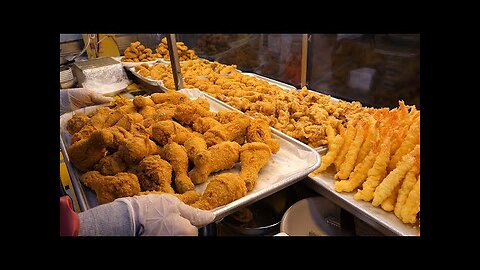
x: 109, y: 188
x: 177, y: 156
x: 188, y: 112
x: 223, y: 189
x: 233, y: 131
x: 84, y: 133
x: 202, y: 124
x: 142, y: 102
x: 171, y: 97
x: 137, y: 148
x: 193, y: 146
x: 128, y: 120
x: 167, y: 131
x: 155, y: 174
x: 253, y: 157
x: 259, y: 131
x: 114, y: 136
x: 111, y: 165
x: 218, y: 157
x: 77, y: 122
x: 87, y: 152
x: 225, y: 117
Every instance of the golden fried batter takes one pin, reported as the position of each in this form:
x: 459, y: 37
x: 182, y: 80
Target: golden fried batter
x: 223, y: 189
x: 253, y: 157
x: 177, y: 156
x: 109, y: 188
x: 218, y: 157
x: 155, y: 174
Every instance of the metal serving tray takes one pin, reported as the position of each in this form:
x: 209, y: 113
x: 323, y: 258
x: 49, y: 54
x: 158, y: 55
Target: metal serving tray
x: 383, y: 221
x: 292, y: 163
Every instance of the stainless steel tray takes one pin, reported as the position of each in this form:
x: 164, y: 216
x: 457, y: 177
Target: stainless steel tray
x: 153, y: 82
x: 292, y: 163
x: 385, y: 222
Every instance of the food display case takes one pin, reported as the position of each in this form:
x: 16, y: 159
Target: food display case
x: 316, y: 90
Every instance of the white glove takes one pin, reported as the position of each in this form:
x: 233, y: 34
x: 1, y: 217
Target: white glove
x: 76, y: 98
x: 165, y: 214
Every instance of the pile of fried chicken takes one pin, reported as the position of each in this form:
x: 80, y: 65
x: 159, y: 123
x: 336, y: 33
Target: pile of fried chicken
x: 167, y: 143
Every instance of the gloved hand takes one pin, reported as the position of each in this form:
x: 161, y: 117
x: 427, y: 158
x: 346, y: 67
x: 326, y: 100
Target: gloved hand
x: 165, y: 214
x: 76, y: 98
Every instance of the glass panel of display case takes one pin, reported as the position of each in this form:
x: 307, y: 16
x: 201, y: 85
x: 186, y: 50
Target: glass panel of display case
x: 276, y: 56
x: 377, y: 70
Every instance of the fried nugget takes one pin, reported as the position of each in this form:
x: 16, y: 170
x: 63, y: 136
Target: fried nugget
x: 109, y: 188
x: 221, y: 190
x: 177, y: 156
x: 218, y: 157
x: 253, y: 157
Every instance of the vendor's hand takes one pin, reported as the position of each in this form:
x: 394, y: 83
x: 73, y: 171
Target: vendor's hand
x: 165, y: 214
x: 76, y: 98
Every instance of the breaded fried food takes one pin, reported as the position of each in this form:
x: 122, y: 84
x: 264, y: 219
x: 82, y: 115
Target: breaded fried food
x: 218, y: 157
x: 351, y: 156
x: 358, y: 176
x: 167, y: 131
x: 334, y: 147
x: 177, y: 156
x: 202, y: 124
x: 412, y: 205
x: 189, y: 111
x: 225, y: 117
x: 137, y: 148
x: 195, y: 145
x: 128, y: 120
x: 170, y: 97
x: 253, y: 157
x: 87, y: 152
x: 221, y: 190
x: 406, y: 187
x: 109, y: 188
x: 111, y: 165
x: 393, y: 179
x: 77, y: 122
x: 155, y: 174
x: 114, y: 136
x: 259, y: 131
x: 233, y: 131
x: 84, y: 133
x: 376, y: 173
x: 141, y: 102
